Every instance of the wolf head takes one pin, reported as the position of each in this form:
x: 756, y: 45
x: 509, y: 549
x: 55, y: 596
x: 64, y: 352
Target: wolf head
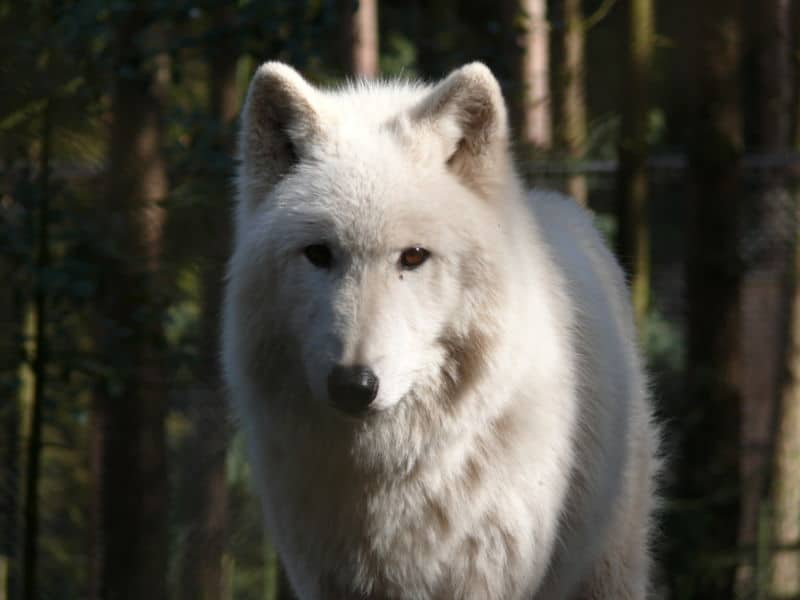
x: 370, y: 238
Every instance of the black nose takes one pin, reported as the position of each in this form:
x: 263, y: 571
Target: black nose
x: 352, y: 389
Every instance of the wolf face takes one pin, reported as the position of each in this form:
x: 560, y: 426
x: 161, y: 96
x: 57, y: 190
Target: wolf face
x: 361, y: 293
x: 356, y: 223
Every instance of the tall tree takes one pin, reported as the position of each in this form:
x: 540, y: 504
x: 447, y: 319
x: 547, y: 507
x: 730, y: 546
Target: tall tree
x: 767, y: 255
x: 633, y: 228
x: 40, y: 317
x: 529, y: 55
x: 709, y: 473
x: 133, y: 399
x: 10, y: 361
x: 785, y: 579
x: 203, y: 577
x: 360, y: 37
x: 571, y: 129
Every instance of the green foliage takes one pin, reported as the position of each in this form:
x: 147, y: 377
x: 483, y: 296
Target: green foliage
x: 399, y: 57
x: 664, y: 343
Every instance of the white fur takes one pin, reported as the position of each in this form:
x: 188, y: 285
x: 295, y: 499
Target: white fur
x: 511, y: 452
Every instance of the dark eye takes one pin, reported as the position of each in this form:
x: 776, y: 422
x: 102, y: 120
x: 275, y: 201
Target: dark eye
x: 411, y: 258
x: 319, y: 255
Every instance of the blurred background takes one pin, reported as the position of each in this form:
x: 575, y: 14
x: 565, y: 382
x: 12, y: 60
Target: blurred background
x: 676, y: 121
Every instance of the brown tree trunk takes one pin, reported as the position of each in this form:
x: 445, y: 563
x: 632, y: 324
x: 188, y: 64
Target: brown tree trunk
x: 633, y: 234
x: 536, y: 128
x: 203, y: 575
x: 708, y: 465
x: 133, y: 400
x: 767, y: 254
x: 360, y: 37
x: 571, y: 124
x: 528, y: 54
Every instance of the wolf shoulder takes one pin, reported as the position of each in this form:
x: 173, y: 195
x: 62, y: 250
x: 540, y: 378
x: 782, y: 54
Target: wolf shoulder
x: 591, y: 272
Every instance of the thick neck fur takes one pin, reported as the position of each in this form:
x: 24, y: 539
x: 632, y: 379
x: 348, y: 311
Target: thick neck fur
x: 435, y: 449
x: 435, y: 414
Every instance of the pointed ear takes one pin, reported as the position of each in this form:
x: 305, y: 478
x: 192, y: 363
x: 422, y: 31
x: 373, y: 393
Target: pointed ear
x: 279, y: 122
x: 467, y: 112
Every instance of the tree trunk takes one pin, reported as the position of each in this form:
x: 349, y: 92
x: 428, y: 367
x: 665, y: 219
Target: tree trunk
x: 785, y: 581
x: 360, y: 37
x: 633, y: 233
x: 203, y: 576
x: 33, y: 461
x: 528, y: 53
x: 133, y: 400
x: 785, y: 578
x: 708, y: 473
x: 571, y: 126
x: 536, y: 125
x: 10, y: 386
x: 767, y: 255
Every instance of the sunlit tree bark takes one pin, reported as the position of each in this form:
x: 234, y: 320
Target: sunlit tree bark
x: 633, y: 228
x: 360, y: 37
x: 570, y: 128
x: 529, y: 55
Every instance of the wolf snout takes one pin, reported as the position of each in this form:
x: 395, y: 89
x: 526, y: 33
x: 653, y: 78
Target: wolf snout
x: 352, y: 389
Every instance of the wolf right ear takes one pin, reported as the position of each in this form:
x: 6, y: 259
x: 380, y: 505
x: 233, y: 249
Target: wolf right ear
x: 279, y: 122
x: 467, y: 113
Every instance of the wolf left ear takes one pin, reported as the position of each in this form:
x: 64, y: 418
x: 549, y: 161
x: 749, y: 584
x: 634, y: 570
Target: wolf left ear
x: 279, y: 122
x: 467, y: 112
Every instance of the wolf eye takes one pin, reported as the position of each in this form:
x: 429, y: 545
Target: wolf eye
x: 411, y: 258
x: 319, y: 255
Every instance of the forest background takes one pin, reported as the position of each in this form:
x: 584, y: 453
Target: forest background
x: 677, y: 122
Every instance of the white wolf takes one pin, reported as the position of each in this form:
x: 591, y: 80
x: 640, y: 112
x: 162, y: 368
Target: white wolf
x: 436, y: 372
